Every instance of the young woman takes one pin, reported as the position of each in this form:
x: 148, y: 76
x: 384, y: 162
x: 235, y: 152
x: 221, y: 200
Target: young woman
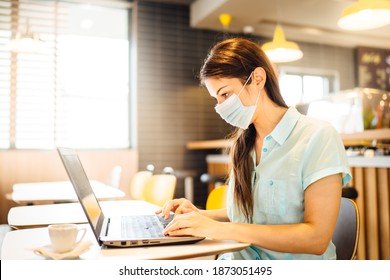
x: 287, y: 169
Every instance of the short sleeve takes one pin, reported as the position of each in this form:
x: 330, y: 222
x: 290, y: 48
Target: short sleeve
x: 325, y: 155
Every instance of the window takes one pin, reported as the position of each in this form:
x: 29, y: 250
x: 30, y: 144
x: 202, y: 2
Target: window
x: 73, y: 90
x: 306, y: 85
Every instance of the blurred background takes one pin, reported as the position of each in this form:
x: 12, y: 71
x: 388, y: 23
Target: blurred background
x: 117, y: 80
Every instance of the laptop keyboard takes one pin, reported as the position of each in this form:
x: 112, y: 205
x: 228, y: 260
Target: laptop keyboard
x: 143, y: 226
x: 163, y: 221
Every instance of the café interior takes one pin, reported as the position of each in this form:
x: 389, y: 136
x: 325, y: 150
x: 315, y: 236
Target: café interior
x: 118, y: 81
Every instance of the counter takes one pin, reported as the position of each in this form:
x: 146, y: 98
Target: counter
x: 376, y: 161
x: 348, y: 139
x: 354, y: 161
x: 370, y: 177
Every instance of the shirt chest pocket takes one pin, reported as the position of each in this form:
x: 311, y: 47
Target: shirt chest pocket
x: 271, y: 196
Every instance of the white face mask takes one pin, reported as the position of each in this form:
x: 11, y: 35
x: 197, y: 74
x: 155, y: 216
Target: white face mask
x: 234, y: 112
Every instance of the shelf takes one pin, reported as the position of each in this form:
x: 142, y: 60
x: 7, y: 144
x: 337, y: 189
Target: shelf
x: 372, y: 134
x: 369, y: 162
x: 348, y: 139
x: 209, y: 144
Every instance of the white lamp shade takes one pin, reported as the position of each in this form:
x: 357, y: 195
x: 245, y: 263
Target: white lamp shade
x: 281, y: 55
x: 280, y: 50
x: 365, y: 14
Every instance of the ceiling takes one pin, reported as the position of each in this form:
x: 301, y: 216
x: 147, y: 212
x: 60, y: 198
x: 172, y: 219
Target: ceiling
x: 312, y: 21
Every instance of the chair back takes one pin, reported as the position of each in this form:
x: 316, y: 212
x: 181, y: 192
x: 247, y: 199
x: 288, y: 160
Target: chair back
x: 137, y: 184
x: 217, y: 198
x: 346, y: 233
x: 159, y: 188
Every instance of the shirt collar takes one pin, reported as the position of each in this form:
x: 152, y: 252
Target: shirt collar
x: 285, y: 126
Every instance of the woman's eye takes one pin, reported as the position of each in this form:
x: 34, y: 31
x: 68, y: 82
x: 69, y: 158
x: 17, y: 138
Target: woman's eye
x: 225, y: 95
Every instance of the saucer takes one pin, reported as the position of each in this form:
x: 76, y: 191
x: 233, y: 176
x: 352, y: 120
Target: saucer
x: 48, y: 252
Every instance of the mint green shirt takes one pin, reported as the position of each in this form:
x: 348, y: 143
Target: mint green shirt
x: 298, y: 152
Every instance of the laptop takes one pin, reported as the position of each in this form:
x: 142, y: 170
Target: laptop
x: 124, y: 231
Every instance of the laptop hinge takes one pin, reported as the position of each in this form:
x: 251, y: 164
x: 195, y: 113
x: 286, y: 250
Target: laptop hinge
x: 108, y: 225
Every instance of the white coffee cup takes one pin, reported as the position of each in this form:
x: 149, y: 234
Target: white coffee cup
x: 63, y: 237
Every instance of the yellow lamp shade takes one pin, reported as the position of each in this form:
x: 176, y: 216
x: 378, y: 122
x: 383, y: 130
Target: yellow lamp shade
x: 225, y: 20
x: 280, y: 50
x: 365, y: 14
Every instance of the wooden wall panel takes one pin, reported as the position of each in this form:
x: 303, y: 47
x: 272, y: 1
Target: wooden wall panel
x: 384, y: 212
x: 373, y: 202
x: 358, y: 183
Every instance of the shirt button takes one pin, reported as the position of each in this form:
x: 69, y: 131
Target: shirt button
x: 265, y: 150
x: 271, y: 183
x: 268, y: 137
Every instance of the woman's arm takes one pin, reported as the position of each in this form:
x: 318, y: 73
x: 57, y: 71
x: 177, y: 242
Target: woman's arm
x: 312, y: 236
x: 218, y: 215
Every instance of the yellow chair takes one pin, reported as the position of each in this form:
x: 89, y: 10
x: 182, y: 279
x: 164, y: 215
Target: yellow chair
x: 137, y: 184
x: 160, y: 188
x: 217, y: 198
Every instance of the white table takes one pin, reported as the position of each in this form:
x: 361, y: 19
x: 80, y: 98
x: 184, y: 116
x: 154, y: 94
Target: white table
x: 42, y: 215
x: 18, y: 244
x: 43, y: 192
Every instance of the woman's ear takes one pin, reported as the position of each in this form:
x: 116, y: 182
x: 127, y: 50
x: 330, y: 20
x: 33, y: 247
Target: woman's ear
x: 259, y: 77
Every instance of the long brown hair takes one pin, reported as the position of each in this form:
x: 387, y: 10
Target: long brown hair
x: 237, y: 58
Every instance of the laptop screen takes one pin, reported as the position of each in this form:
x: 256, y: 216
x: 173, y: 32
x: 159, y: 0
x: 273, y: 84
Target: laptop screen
x: 83, y: 188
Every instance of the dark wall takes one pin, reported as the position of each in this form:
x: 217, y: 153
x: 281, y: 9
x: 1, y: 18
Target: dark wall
x: 172, y: 108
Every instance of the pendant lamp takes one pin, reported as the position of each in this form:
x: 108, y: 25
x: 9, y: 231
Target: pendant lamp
x: 225, y: 20
x: 280, y: 50
x: 365, y: 14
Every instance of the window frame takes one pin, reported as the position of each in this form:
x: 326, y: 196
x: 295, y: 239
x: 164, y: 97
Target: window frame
x: 333, y: 77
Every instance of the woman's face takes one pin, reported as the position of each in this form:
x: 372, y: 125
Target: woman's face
x: 222, y: 88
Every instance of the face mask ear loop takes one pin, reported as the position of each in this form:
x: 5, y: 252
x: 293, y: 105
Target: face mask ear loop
x: 245, y: 83
x: 258, y: 96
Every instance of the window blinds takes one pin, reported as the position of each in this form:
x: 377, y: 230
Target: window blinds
x: 73, y: 88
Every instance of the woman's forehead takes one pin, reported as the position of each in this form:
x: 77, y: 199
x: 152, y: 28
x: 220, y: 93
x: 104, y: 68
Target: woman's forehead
x: 214, y: 84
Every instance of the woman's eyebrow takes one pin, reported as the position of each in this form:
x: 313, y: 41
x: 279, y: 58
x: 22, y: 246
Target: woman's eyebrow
x: 220, y: 89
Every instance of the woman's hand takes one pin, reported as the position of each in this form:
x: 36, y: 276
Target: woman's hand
x: 178, y: 206
x: 193, y: 223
